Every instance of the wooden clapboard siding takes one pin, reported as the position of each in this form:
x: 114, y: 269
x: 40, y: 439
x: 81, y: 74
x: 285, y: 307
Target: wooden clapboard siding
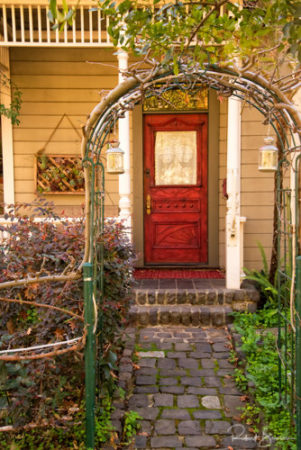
x: 257, y: 189
x: 62, y: 67
x: 54, y: 82
x: 222, y: 174
x: 103, y: 55
x: 63, y: 82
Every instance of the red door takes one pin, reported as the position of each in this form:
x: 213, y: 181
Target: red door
x: 175, y: 189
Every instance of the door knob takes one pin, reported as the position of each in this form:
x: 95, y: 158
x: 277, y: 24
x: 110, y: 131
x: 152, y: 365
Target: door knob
x: 148, y: 204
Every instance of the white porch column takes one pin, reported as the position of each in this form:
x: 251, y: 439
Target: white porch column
x: 233, y: 234
x: 125, y: 206
x: 7, y: 133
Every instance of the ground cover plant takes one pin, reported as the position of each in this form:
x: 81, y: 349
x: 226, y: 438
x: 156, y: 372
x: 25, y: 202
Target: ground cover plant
x: 47, y: 394
x: 257, y: 372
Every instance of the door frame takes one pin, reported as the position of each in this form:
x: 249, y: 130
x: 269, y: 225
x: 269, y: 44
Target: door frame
x: 213, y: 181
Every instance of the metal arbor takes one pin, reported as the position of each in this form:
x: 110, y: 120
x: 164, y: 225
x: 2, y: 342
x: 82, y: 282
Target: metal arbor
x: 279, y: 112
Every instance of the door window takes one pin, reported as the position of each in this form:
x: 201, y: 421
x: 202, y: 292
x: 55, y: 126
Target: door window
x: 175, y: 158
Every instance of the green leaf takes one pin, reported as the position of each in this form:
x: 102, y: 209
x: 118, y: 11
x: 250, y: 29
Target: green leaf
x: 53, y: 8
x: 65, y: 6
x: 175, y: 65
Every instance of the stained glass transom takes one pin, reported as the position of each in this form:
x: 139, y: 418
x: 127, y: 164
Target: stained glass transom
x: 178, y: 100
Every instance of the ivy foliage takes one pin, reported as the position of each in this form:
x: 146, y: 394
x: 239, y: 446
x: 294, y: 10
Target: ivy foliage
x: 13, y: 111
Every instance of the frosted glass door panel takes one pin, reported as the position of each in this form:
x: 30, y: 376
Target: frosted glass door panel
x: 176, y: 158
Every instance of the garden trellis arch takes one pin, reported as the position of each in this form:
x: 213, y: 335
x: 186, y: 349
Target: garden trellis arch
x: 271, y: 101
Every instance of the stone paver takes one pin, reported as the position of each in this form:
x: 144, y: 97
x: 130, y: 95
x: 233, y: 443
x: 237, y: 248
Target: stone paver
x: 182, y: 389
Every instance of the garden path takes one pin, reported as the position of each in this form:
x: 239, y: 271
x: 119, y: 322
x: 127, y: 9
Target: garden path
x: 181, y: 386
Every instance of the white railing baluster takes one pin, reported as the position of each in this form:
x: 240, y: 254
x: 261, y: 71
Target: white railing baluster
x: 99, y: 25
x: 82, y: 24
x: 30, y: 23
x: 48, y: 26
x: 4, y: 23
x: 57, y: 36
x: 74, y: 30
x: 65, y: 33
x: 91, y: 25
x: 22, y: 23
x: 13, y: 17
x: 107, y: 27
x: 39, y: 24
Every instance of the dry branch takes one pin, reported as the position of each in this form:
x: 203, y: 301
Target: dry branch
x: 41, y: 305
x: 49, y: 278
x: 52, y: 354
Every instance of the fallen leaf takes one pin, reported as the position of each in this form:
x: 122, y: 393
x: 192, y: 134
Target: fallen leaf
x: 67, y: 418
x: 113, y: 438
x: 72, y: 325
x: 237, y: 418
x: 59, y: 333
x: 28, y: 332
x: 10, y: 326
x: 135, y: 366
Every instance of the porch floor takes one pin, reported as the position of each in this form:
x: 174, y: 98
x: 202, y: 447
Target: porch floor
x: 170, y: 283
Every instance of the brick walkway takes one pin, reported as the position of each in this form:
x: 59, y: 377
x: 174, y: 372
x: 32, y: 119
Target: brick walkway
x: 183, y: 390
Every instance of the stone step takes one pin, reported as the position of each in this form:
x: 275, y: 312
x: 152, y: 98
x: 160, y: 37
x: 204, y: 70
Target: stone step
x: 241, y: 299
x: 195, y: 315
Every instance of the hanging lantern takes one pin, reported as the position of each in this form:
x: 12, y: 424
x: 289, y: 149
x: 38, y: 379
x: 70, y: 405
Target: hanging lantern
x: 268, y: 156
x: 115, y: 158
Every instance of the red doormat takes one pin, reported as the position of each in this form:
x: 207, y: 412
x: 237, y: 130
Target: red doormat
x: 177, y: 273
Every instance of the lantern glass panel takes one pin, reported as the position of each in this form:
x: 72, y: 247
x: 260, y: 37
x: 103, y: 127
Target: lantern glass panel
x: 115, y: 162
x: 268, y: 160
x: 268, y: 156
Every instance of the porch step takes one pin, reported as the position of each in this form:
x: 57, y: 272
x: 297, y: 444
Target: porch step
x: 207, y: 307
x: 185, y: 314
x: 240, y: 297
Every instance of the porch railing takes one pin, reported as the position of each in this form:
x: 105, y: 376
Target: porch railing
x: 27, y: 24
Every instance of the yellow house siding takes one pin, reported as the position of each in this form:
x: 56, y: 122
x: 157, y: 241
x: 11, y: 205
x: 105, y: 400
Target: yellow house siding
x: 55, y: 82
x: 257, y: 189
x: 222, y: 176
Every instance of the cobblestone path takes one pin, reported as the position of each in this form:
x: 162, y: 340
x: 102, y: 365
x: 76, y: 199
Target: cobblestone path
x: 183, y: 390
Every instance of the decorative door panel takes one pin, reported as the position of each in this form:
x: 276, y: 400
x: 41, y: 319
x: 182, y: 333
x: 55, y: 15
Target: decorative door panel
x: 175, y: 188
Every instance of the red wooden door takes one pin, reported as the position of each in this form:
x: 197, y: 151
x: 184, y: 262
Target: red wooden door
x: 175, y: 189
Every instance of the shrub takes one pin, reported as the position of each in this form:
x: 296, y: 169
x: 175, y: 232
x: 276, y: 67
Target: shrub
x: 32, y: 390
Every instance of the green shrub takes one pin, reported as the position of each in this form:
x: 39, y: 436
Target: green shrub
x: 266, y: 414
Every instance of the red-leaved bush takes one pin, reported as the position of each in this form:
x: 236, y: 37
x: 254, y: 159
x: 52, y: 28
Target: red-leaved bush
x: 32, y: 390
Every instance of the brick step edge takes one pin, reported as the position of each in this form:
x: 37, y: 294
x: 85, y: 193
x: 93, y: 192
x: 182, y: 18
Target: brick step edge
x: 240, y: 300
x: 185, y: 315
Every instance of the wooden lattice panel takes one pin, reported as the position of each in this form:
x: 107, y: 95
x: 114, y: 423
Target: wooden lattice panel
x: 58, y: 174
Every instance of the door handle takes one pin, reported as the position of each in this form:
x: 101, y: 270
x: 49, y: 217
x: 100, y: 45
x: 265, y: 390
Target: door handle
x: 148, y: 204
